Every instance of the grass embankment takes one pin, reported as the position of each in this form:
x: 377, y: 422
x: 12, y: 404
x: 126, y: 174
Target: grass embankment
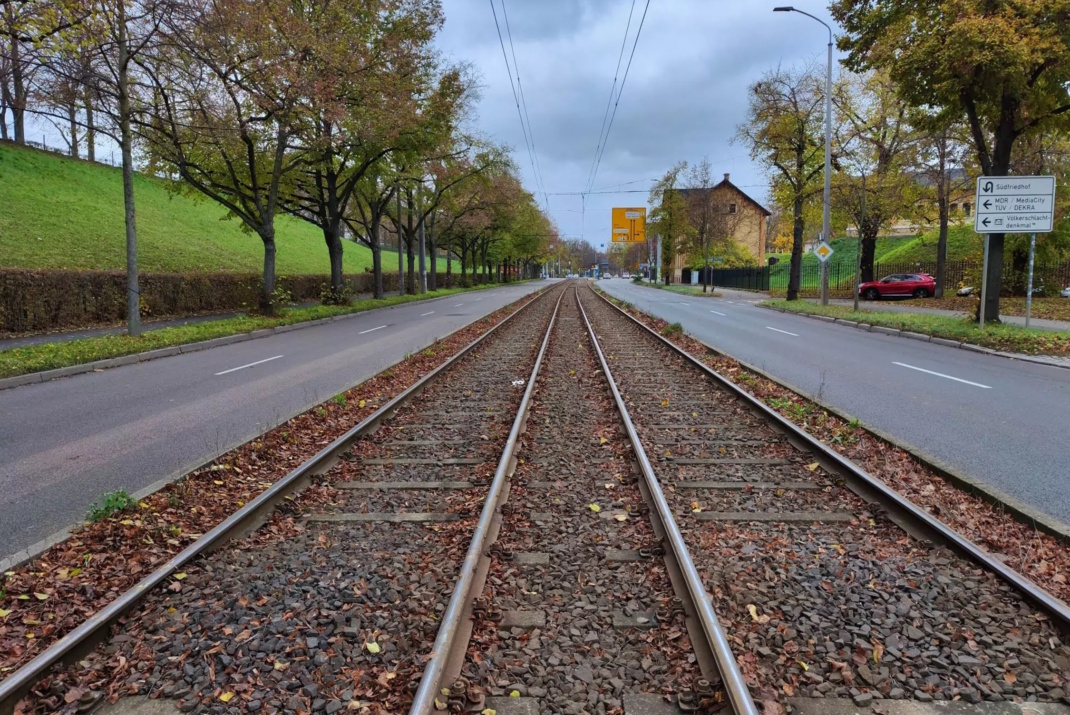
x: 49, y: 356
x: 57, y: 212
x: 1010, y: 338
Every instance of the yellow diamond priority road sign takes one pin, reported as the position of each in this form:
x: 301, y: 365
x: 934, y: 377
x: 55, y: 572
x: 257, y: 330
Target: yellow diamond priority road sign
x: 629, y: 225
x: 823, y: 251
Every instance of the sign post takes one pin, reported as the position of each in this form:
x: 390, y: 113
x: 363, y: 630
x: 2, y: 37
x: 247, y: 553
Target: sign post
x: 629, y: 225
x: 1029, y: 287
x: 1013, y: 204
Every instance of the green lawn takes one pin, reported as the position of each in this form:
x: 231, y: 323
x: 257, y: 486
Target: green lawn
x: 999, y: 337
x: 61, y: 213
x: 962, y: 244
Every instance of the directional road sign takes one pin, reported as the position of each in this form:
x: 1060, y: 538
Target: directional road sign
x: 1015, y: 204
x: 823, y: 251
x: 629, y: 225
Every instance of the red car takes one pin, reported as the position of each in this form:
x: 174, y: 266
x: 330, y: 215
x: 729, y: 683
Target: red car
x: 899, y: 285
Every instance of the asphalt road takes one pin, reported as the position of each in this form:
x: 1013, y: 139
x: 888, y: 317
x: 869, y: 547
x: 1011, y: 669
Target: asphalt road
x: 64, y: 443
x: 1002, y: 422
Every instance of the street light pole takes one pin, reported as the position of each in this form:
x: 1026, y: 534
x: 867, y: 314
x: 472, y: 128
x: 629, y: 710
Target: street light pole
x: 826, y: 216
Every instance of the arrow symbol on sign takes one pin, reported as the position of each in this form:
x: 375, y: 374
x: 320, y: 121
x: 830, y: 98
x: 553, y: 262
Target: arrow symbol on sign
x: 988, y: 204
x: 988, y: 186
x: 986, y: 221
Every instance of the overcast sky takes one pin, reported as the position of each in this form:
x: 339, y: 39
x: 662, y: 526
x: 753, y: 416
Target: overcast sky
x: 684, y: 96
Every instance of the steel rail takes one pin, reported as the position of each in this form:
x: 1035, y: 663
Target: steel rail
x: 731, y: 676
x: 16, y: 685
x: 875, y: 490
x: 430, y: 682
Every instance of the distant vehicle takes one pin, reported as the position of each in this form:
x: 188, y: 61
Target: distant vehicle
x: 899, y: 285
x: 605, y: 275
x: 1065, y: 292
x: 625, y: 275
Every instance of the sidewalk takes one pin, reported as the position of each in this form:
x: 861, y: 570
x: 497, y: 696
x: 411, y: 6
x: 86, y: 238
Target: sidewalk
x: 891, y: 307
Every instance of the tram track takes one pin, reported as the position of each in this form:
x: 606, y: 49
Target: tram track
x: 827, y: 584
x: 266, y: 579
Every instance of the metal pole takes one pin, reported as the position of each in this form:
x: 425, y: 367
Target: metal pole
x: 401, y: 260
x: 1029, y: 288
x: 984, y: 286
x: 423, y: 259
x: 826, y: 217
x: 657, y: 275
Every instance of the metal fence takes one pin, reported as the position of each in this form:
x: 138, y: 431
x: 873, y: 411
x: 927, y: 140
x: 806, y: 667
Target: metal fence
x: 743, y: 278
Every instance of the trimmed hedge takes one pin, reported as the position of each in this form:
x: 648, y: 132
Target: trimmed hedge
x: 42, y: 300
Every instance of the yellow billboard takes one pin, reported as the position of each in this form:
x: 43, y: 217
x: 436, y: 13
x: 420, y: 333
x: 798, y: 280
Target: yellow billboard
x: 629, y: 225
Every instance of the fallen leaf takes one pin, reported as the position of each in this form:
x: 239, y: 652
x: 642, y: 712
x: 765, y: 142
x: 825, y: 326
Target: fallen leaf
x: 812, y: 466
x: 803, y: 665
x: 40, y: 596
x: 594, y: 507
x: 1010, y: 678
x: 225, y: 697
x: 385, y: 677
x: 279, y: 665
x: 602, y: 440
x: 489, y: 711
x: 130, y: 522
x: 372, y: 647
x: 620, y: 517
x: 753, y: 611
x: 180, y: 576
x: 360, y: 404
x: 4, y: 613
x: 515, y: 694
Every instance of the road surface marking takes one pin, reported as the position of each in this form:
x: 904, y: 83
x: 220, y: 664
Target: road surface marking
x: 458, y: 305
x: 716, y: 313
x: 731, y: 301
x: 424, y: 315
x: 683, y: 303
x: 476, y: 300
x: 782, y: 331
x: 371, y: 330
x: 258, y: 362
x: 940, y: 374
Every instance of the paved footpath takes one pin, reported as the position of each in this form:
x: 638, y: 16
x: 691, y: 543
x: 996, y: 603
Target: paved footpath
x: 999, y: 421
x: 891, y: 306
x: 68, y: 441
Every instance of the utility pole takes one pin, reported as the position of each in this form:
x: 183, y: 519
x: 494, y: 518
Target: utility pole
x: 423, y: 259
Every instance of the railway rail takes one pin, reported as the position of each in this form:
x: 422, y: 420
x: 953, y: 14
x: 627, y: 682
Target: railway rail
x: 827, y: 583
x: 571, y: 516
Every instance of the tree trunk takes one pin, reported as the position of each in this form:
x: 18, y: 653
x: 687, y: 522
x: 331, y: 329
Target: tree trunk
x: 422, y: 232
x: 267, y: 298
x: 334, y: 249
x: 377, y: 258
x: 869, y: 249
x: 72, y: 119
x: 133, y: 293
x: 90, y: 127
x: 410, y: 253
x: 432, y: 277
x: 18, y: 99
x: 795, y: 270
x: 1001, y: 163
x: 942, y: 245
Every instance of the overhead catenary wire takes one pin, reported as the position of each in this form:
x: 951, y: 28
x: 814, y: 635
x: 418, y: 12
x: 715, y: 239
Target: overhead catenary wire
x: 516, y: 95
x: 540, y: 184
x: 620, y: 92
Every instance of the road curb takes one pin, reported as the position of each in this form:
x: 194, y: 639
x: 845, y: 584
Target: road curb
x: 47, y: 375
x: 912, y: 336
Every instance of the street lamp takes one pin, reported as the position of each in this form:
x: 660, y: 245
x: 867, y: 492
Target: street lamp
x: 826, y: 218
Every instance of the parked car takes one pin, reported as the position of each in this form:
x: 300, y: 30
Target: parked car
x: 899, y: 285
x: 1065, y: 292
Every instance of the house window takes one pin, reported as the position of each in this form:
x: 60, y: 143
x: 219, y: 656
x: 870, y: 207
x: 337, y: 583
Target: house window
x: 731, y: 208
x: 966, y: 208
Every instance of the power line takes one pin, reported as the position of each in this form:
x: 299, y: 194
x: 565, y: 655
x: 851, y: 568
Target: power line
x: 609, y: 101
x: 516, y: 96
x: 616, y: 104
x: 531, y: 132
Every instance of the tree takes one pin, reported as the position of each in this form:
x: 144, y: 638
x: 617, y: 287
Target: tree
x: 667, y: 217
x: 1004, y: 65
x: 223, y: 114
x: 875, y: 144
x: 783, y: 131
x: 941, y: 166
x: 374, y: 70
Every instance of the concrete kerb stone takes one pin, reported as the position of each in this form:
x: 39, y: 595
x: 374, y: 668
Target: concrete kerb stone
x: 924, y: 338
x: 20, y: 380
x: 117, y: 361
x: 66, y: 371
